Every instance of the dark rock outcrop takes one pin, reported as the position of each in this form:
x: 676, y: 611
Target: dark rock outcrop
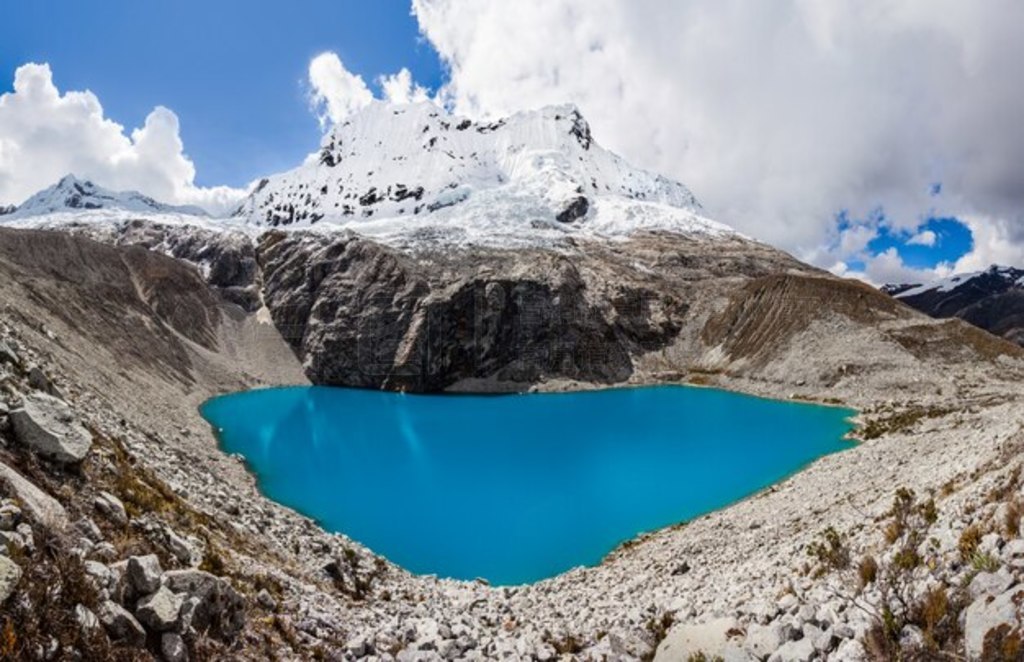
x: 362, y: 314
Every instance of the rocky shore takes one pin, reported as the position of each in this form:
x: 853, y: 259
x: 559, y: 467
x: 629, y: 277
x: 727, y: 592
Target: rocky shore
x: 171, y: 552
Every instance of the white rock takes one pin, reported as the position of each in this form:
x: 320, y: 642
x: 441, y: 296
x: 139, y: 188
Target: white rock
x: 111, y: 507
x: 37, y: 503
x: 987, y: 613
x: 794, y: 651
x: 48, y: 426
x: 10, y: 573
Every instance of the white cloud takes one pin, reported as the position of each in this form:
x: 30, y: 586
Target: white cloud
x: 923, y: 238
x: 995, y: 242
x: 776, y: 114
x: 399, y: 88
x: 336, y: 92
x: 45, y: 135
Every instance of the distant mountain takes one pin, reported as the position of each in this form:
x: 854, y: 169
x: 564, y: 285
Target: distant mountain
x: 418, y: 171
x: 73, y: 194
x: 992, y: 299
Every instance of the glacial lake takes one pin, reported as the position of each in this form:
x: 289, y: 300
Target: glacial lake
x: 515, y: 488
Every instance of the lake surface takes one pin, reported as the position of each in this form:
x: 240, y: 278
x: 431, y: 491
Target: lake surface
x: 515, y: 488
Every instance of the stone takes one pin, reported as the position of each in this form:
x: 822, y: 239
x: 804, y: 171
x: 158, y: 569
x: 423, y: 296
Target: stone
x: 10, y: 574
x: 788, y: 603
x: 217, y: 602
x: 86, y: 619
x: 99, y: 572
x: 49, y: 426
x: 104, y: 551
x: 111, y: 507
x: 8, y: 355
x: 89, y: 529
x: 850, y: 650
x: 1013, y: 553
x: 144, y: 573
x: 794, y: 651
x: 121, y: 625
x: 266, y: 600
x: 989, y: 583
x: 38, y: 380
x: 987, y: 613
x: 715, y: 637
x: 38, y: 504
x: 173, y: 648
x: 179, y: 547
x: 159, y: 611
x: 763, y: 640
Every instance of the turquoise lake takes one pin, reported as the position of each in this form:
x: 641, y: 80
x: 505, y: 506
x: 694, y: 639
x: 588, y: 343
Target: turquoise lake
x: 515, y: 488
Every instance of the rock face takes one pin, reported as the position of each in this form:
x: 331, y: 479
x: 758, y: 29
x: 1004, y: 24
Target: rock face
x: 48, y: 426
x: 362, y: 314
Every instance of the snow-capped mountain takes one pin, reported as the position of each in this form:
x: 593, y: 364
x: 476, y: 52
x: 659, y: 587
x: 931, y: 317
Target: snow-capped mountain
x: 71, y: 194
x: 415, y: 171
x: 992, y: 299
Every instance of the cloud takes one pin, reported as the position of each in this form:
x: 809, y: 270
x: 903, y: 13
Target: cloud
x: 45, y: 135
x: 400, y: 89
x: 776, y: 114
x: 336, y: 92
x: 923, y: 238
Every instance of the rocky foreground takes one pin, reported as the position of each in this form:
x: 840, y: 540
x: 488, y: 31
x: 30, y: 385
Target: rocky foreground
x: 129, y: 535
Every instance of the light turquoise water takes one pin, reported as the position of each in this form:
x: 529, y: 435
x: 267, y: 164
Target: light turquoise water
x: 515, y: 488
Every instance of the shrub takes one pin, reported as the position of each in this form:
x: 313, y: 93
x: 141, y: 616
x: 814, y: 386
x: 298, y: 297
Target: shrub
x: 831, y: 551
x: 969, y: 541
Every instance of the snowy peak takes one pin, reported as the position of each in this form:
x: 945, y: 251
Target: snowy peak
x: 412, y: 167
x: 992, y: 280
x: 73, y: 194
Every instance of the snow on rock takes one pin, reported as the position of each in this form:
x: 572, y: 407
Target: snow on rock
x: 1011, y: 275
x: 71, y: 193
x: 410, y: 173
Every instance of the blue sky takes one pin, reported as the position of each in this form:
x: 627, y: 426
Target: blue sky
x: 233, y: 71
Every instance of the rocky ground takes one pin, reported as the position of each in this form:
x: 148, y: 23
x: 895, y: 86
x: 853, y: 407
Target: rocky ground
x: 135, y: 537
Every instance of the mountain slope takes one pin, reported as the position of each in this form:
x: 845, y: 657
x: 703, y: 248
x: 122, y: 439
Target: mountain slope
x: 991, y: 299
x: 73, y: 194
x: 415, y: 173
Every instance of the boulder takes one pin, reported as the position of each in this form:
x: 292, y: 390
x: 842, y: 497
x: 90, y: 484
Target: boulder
x: 121, y: 625
x: 990, y: 583
x: 763, y: 640
x: 794, y: 651
x: 986, y: 614
x: 144, y: 573
x: 41, y: 506
x: 10, y: 573
x: 716, y: 638
x: 111, y: 507
x: 48, y: 426
x: 217, y: 605
x: 159, y: 610
x: 172, y: 647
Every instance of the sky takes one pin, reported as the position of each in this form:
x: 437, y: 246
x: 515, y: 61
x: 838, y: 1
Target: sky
x: 880, y: 139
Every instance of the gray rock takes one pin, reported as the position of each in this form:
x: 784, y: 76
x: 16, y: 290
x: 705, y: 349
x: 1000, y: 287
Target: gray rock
x: 8, y: 355
x: 48, y: 426
x: 89, y: 529
x: 850, y: 650
x: 40, y: 505
x: 10, y: 573
x: 217, y: 603
x: 86, y: 619
x: 104, y: 551
x: 172, y: 647
x: 266, y: 600
x: 1013, y: 553
x: 111, y: 507
x: 989, y: 583
x: 987, y: 613
x: 794, y: 651
x: 179, y: 547
x: 159, y: 611
x: 144, y: 573
x: 38, y: 380
x: 121, y: 625
x: 99, y: 572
